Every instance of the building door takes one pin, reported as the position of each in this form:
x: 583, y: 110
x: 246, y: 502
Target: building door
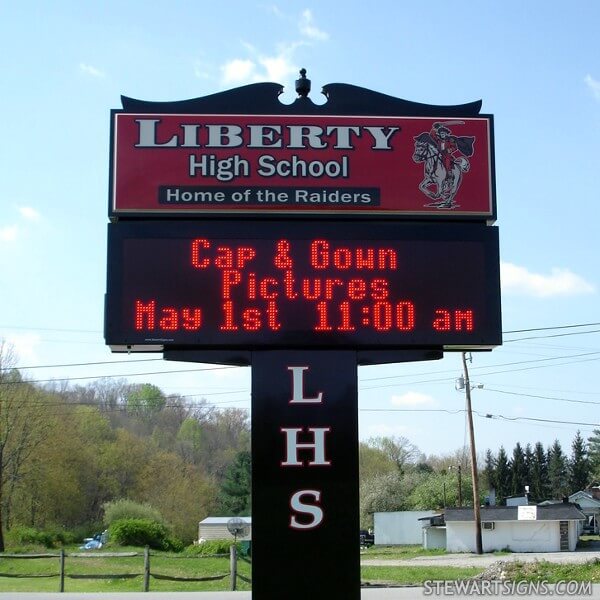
x: 563, y: 528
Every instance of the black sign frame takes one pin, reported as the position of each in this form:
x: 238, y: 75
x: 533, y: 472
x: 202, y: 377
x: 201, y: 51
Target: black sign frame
x: 480, y: 278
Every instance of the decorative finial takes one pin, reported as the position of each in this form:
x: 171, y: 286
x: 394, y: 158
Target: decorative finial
x: 303, y: 84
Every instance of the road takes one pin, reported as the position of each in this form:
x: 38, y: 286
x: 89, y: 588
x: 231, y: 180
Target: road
x: 406, y: 593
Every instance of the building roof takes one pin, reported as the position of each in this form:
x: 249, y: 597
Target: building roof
x: 583, y: 495
x: 222, y: 520
x: 565, y: 511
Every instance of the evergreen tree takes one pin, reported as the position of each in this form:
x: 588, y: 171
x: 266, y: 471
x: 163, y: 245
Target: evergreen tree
x: 235, y: 497
x: 538, y: 471
x: 489, y: 471
x: 528, y: 463
x: 594, y: 456
x: 558, y: 474
x: 518, y: 471
x: 503, y: 477
x: 579, y: 471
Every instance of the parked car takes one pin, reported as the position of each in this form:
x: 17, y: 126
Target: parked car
x: 367, y: 538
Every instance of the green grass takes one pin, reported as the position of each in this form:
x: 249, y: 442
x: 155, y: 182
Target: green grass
x: 399, y: 552
x: 175, y: 566
x: 415, y: 575
x: 553, y: 572
x: 160, y: 563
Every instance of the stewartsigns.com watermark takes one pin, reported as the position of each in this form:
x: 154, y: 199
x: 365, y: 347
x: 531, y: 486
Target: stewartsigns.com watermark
x: 507, y: 588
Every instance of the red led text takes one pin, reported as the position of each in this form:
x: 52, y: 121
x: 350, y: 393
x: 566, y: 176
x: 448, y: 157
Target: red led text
x: 149, y: 317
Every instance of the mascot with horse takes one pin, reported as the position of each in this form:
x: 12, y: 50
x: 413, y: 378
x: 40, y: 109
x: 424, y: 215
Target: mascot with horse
x: 445, y: 160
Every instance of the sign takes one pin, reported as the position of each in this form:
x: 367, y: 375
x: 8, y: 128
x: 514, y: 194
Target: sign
x: 305, y: 500
x: 298, y: 164
x: 240, y: 284
x: 526, y: 513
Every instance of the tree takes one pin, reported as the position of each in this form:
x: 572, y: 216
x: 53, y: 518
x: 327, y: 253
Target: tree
x: 528, y: 463
x: 503, y: 477
x: 438, y: 490
x: 579, y: 468
x: 489, y: 471
x: 22, y: 428
x: 235, y: 497
x: 594, y: 455
x: 373, y: 462
x: 518, y: 471
x: 145, y: 400
x: 182, y: 494
x: 538, y: 470
x: 189, y: 440
x: 383, y: 493
x: 224, y: 434
x: 398, y: 449
x: 558, y: 476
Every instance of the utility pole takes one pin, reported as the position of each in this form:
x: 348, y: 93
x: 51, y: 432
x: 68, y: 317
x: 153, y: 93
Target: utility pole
x: 476, y: 511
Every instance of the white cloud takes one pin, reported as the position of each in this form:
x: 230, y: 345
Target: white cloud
x: 91, y: 70
x: 593, y: 85
x: 274, y: 9
x: 24, y: 346
x: 309, y: 29
x: 29, y: 213
x: 560, y: 282
x: 238, y: 70
x: 9, y: 233
x: 385, y: 430
x: 276, y: 66
x: 413, y: 399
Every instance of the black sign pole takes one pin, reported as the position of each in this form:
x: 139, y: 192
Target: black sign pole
x: 305, y: 506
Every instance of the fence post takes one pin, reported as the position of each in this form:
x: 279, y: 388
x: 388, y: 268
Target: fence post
x: 61, y: 563
x: 147, y: 568
x: 233, y: 566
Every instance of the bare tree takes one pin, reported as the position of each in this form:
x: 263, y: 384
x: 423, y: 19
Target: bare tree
x: 398, y: 449
x: 21, y: 428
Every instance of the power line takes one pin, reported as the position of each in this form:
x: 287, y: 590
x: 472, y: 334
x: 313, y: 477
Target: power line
x: 488, y: 389
x: 157, y: 359
x: 537, y: 419
x: 107, y: 376
x: 446, y: 379
x: 483, y: 415
x: 550, y: 328
x: 509, y: 364
x: 19, y: 327
x: 540, y: 337
x: 86, y: 364
x: 219, y: 368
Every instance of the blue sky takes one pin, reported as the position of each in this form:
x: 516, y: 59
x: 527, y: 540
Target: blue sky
x: 535, y: 65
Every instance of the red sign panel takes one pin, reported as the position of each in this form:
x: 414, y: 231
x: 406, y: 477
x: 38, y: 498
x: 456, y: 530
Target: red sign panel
x: 174, y: 164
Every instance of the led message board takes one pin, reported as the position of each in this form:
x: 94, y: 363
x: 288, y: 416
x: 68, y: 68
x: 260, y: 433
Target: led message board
x: 285, y: 164
x: 300, y: 285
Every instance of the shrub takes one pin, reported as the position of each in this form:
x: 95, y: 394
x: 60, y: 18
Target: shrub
x: 30, y: 536
x: 128, y: 509
x: 210, y: 547
x: 142, y: 532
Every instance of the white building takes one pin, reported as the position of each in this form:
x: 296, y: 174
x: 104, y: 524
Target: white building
x: 399, y: 528
x: 215, y: 528
x: 552, y: 528
x: 590, y: 506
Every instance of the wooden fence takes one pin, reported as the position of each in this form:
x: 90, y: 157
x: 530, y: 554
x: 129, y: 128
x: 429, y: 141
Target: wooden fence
x: 146, y: 574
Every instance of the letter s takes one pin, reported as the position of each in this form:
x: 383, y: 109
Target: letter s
x: 299, y: 506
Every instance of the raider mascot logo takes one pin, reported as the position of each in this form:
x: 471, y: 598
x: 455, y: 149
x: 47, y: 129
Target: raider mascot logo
x: 445, y: 157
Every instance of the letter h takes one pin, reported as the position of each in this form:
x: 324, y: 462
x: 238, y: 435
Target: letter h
x: 317, y: 446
